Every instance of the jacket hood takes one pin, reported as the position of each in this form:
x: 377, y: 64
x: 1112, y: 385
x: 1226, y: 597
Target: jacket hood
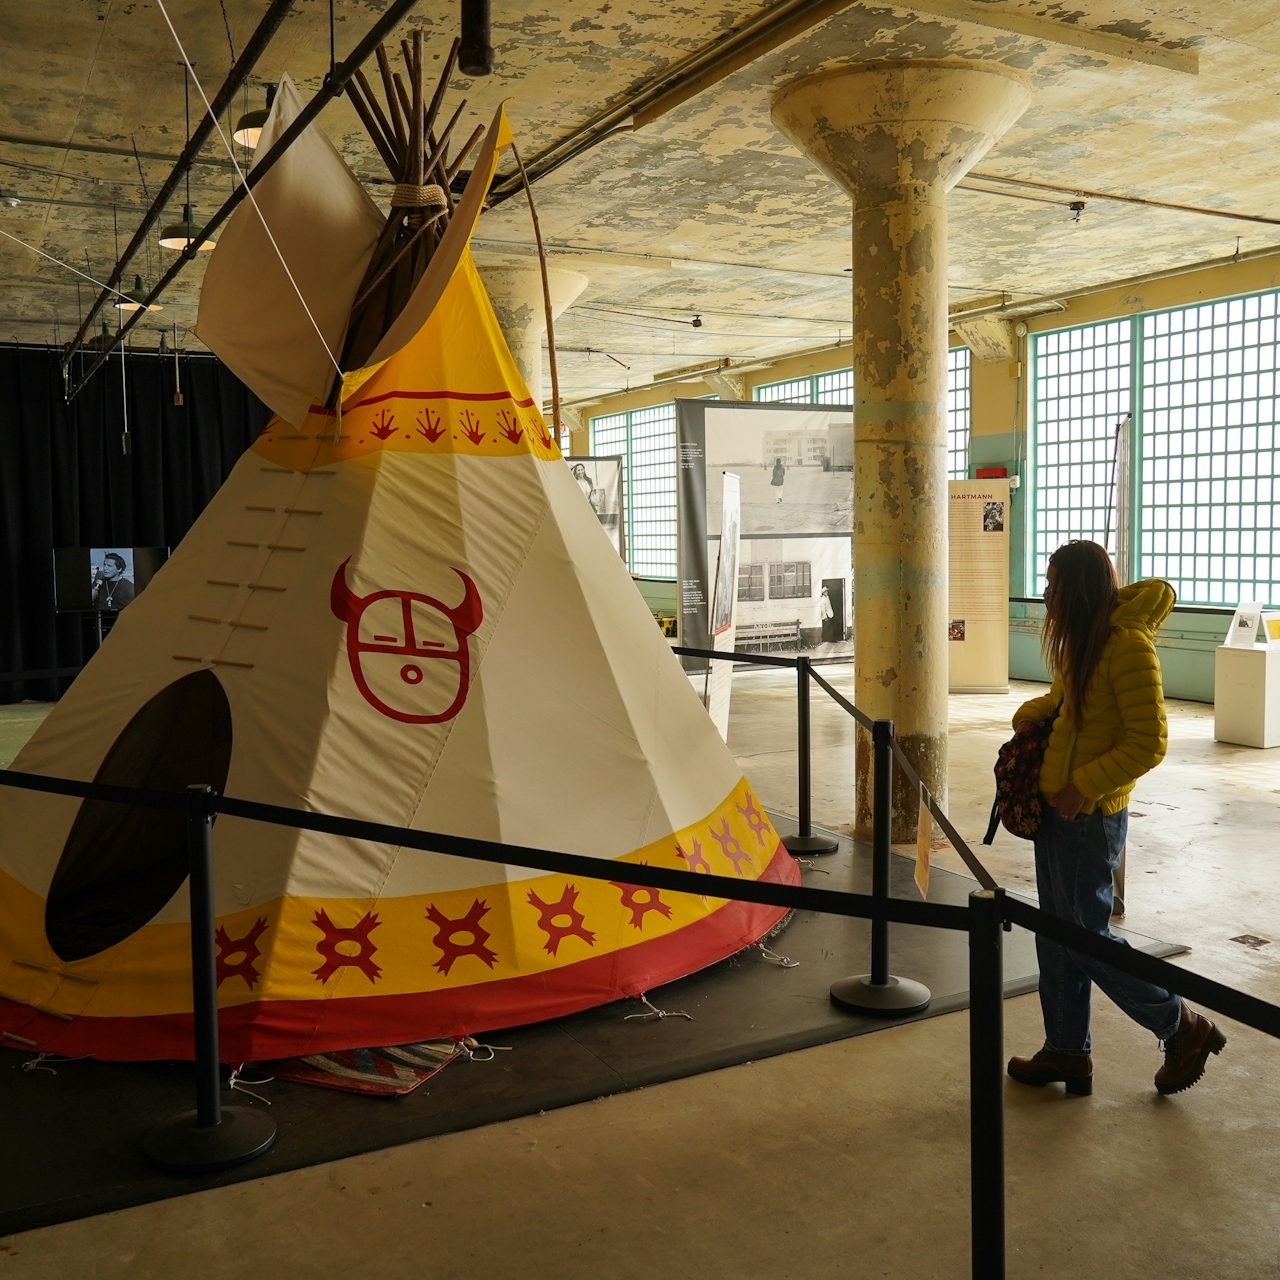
x: 1143, y: 604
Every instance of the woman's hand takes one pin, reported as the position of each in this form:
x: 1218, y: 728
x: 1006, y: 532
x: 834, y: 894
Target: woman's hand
x: 1068, y: 802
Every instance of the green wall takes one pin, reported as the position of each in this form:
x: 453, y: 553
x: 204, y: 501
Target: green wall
x: 1185, y: 645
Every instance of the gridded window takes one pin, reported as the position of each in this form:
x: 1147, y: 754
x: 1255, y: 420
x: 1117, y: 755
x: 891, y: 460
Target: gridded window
x: 797, y: 391
x: 609, y: 437
x: 833, y: 388
x: 958, y: 413
x: 646, y: 439
x: 820, y: 388
x: 751, y: 582
x: 1210, y: 476
x: 789, y: 580
x: 1082, y: 387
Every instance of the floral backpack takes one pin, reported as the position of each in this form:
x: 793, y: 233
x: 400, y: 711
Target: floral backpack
x: 1018, y: 803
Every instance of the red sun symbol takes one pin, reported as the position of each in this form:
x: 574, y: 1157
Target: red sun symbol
x: 633, y: 902
x: 695, y: 860
x: 564, y: 909
x: 755, y: 819
x: 461, y: 937
x: 464, y: 617
x: 246, y: 948
x: 357, y: 937
x: 730, y: 847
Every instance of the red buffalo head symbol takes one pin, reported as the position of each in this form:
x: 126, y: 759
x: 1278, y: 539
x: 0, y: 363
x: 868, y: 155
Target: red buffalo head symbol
x: 391, y: 641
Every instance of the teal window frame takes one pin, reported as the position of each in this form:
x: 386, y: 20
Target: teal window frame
x: 1204, y: 447
x: 646, y: 440
x: 959, y: 412
x: 835, y: 387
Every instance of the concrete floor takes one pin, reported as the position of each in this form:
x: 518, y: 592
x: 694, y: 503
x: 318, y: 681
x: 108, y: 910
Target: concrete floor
x: 845, y: 1160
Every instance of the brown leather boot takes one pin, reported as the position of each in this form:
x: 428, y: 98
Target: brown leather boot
x: 1187, y: 1050
x: 1049, y: 1066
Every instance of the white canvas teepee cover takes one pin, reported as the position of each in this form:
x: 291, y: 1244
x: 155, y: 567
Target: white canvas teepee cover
x: 323, y: 226
x: 409, y: 615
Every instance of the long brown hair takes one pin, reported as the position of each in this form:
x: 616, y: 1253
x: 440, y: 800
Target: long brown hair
x: 1078, y: 602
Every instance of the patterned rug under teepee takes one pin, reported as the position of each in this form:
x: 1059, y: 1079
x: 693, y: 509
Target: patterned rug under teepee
x: 389, y: 1072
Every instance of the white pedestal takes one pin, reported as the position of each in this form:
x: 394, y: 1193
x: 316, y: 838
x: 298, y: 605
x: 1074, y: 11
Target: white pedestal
x: 1246, y: 696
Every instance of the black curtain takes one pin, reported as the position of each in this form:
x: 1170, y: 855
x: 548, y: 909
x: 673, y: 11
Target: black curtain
x: 66, y: 481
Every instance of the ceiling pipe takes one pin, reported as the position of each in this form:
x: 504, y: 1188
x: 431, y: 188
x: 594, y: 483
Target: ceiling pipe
x: 1106, y: 195
x: 475, y: 53
x: 258, y: 42
x: 1015, y: 310
x: 335, y: 84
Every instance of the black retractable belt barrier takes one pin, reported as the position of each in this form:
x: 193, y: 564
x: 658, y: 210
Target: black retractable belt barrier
x: 986, y: 1082
x: 879, y: 992
x: 804, y: 841
x: 212, y: 1137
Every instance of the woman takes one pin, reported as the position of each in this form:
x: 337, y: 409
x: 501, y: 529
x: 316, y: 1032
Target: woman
x: 1108, y: 730
x: 779, y: 477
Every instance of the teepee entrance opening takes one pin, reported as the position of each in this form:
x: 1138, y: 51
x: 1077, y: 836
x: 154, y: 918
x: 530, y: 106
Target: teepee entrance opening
x: 121, y: 864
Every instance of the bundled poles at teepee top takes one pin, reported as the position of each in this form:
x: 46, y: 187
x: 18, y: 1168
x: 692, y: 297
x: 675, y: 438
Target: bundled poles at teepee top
x: 404, y: 132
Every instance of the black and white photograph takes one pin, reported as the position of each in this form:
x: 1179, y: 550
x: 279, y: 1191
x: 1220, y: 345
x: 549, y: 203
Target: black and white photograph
x: 993, y: 517
x: 111, y: 578
x: 600, y: 480
x: 796, y: 468
x: 795, y: 563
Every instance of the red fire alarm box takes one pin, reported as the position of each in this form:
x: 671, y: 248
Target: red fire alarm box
x: 991, y: 473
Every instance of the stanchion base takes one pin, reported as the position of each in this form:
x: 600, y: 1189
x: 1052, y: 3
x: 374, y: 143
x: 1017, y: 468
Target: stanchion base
x: 897, y: 996
x: 181, y: 1146
x: 807, y: 846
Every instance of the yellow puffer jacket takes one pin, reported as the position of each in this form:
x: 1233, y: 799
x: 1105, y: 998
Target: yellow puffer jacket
x: 1122, y: 732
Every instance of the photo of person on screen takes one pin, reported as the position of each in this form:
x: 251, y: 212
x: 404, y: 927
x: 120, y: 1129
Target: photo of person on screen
x: 112, y: 586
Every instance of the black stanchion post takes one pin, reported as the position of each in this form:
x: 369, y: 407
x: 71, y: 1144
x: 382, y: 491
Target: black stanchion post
x: 879, y: 991
x: 804, y: 841
x: 986, y: 1082
x: 881, y: 841
x: 211, y: 1137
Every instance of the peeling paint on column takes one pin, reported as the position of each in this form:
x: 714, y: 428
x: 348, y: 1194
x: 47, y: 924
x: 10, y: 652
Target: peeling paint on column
x: 520, y: 308
x: 897, y: 136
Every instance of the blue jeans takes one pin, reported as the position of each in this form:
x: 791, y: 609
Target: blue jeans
x: 1074, y: 862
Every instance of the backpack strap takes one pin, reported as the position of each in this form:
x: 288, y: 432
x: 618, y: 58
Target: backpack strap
x: 993, y: 825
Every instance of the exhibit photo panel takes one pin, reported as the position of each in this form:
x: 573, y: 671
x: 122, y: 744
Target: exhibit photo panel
x: 794, y: 465
x: 978, y: 586
x: 600, y: 480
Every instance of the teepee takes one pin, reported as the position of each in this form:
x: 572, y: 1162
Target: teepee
x: 402, y: 609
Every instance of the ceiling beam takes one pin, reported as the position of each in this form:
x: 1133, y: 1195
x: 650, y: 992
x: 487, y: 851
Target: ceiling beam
x: 1171, y: 55
x: 787, y: 21
x: 101, y: 149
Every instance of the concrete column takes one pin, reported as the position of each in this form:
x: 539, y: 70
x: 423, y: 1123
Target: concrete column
x: 898, y: 136
x: 516, y: 294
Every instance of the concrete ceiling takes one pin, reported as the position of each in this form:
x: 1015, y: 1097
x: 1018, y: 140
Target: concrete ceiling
x: 707, y: 211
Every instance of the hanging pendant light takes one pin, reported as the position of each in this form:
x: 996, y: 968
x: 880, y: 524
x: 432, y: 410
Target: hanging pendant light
x: 136, y: 298
x: 249, y: 127
x: 177, y: 235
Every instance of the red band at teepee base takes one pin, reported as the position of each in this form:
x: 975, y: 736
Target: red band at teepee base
x: 263, y: 1030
